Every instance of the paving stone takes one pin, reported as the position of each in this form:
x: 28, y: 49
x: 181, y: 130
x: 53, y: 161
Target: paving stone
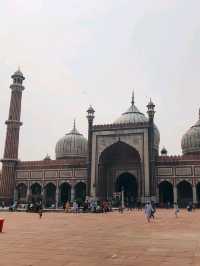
x: 60, y: 239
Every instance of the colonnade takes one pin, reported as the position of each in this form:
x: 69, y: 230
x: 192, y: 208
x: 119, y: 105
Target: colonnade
x: 50, y: 193
x: 182, y: 193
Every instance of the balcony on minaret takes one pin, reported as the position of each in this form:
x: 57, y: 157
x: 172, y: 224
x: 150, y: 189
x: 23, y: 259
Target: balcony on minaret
x: 18, y: 79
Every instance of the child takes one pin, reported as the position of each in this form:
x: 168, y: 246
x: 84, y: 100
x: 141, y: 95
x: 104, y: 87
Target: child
x: 176, y: 209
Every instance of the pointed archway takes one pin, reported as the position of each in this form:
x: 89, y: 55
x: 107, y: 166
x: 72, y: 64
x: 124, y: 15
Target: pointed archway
x: 185, y: 195
x: 65, y: 193
x: 50, y: 194
x: 21, y: 193
x: 36, y: 191
x: 166, y: 195
x: 80, y: 192
x: 118, y: 157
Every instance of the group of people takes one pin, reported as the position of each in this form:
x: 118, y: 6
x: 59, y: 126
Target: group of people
x: 88, y: 206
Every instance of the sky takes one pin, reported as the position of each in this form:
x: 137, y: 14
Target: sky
x: 74, y: 53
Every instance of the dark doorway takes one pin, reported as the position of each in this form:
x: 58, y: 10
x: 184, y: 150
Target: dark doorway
x: 166, y: 196
x: 128, y: 183
x: 80, y: 192
x: 50, y: 195
x: 184, y: 190
x: 65, y: 193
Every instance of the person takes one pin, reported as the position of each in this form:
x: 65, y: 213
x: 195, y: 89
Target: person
x: 40, y: 212
x: 189, y: 207
x: 176, y: 208
x: 67, y: 206
x: 153, y: 210
x: 148, y: 211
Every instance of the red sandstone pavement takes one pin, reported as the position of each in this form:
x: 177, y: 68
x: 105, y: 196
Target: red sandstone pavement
x: 60, y: 239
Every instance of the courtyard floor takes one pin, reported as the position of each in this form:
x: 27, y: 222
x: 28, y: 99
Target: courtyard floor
x: 60, y: 239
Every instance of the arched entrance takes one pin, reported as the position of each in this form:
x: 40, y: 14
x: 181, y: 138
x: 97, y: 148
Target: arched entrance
x: 80, y: 192
x: 36, y: 190
x: 21, y: 193
x: 50, y: 195
x: 166, y: 195
x: 128, y: 184
x: 184, y: 190
x: 117, y: 157
x: 65, y: 193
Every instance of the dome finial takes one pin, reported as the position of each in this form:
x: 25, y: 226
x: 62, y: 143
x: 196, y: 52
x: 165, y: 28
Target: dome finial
x: 133, y: 98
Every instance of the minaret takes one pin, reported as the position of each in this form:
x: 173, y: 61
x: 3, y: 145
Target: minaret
x: 151, y: 113
x: 10, y: 158
x: 90, y: 117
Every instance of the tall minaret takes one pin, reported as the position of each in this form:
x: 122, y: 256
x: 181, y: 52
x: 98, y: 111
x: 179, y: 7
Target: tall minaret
x: 151, y: 113
x: 90, y: 117
x: 10, y: 158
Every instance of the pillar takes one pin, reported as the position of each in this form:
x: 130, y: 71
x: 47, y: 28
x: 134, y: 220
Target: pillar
x: 57, y: 197
x: 28, y: 193
x: 194, y: 191
x: 175, y: 193
x: 15, y: 194
x: 43, y: 197
x: 72, y: 193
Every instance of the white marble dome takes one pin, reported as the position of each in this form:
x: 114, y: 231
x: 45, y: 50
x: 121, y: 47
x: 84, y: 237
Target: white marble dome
x: 134, y: 116
x: 191, y: 139
x: 72, y: 145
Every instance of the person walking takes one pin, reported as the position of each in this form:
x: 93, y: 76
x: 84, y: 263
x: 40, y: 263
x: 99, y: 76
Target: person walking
x: 177, y: 210
x: 148, y: 211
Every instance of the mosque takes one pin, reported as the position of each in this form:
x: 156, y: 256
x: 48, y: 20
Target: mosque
x: 123, y: 155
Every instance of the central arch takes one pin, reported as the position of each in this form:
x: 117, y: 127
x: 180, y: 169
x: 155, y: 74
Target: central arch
x: 128, y: 183
x: 119, y: 157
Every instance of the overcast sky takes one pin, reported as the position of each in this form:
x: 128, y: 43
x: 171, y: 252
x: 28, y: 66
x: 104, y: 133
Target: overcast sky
x: 79, y: 52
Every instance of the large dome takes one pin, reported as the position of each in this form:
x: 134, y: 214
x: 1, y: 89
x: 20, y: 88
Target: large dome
x: 134, y: 116
x: 71, y: 145
x: 191, y: 139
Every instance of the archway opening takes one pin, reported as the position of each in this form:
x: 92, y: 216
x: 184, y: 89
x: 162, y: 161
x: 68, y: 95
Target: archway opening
x: 21, y: 193
x: 65, y: 193
x: 116, y: 157
x: 166, y: 196
x: 185, y: 196
x: 50, y: 195
x: 80, y: 192
x: 36, y: 190
x: 128, y: 184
